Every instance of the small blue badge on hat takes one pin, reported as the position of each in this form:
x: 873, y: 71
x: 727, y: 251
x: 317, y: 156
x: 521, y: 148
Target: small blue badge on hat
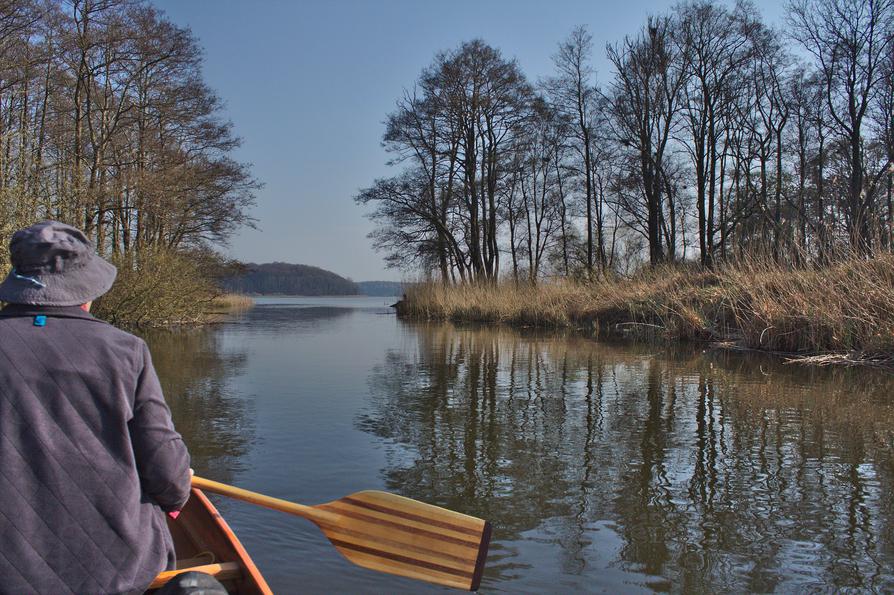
x: 40, y: 320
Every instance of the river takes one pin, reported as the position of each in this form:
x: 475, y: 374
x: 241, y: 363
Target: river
x: 603, y: 466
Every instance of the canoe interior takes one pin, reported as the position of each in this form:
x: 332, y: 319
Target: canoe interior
x: 202, y: 536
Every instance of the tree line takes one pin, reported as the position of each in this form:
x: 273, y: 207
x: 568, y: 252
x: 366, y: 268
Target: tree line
x: 281, y: 278
x: 714, y: 137
x: 107, y: 124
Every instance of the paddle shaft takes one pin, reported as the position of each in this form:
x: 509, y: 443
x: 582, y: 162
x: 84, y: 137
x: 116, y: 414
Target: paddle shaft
x: 308, y: 512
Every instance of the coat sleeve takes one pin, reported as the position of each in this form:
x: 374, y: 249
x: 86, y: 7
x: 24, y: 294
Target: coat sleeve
x: 161, y: 456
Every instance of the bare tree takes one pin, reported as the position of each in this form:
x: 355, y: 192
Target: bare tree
x: 573, y: 94
x: 849, y: 41
x: 645, y: 101
x: 884, y: 128
x: 460, y: 133
x: 715, y: 44
x: 106, y: 123
x: 709, y: 128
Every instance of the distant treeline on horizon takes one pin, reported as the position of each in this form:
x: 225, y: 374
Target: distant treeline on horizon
x: 300, y: 279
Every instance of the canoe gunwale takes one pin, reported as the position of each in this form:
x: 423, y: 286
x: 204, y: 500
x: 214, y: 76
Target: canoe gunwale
x: 201, y: 516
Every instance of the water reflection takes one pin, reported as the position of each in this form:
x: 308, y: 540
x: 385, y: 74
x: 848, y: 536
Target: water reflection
x: 287, y: 318
x: 620, y: 467
x: 195, y: 374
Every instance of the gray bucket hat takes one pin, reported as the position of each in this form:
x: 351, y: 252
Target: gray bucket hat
x: 54, y: 264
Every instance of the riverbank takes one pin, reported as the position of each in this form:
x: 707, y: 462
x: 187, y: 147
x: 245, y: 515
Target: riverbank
x: 165, y: 288
x: 843, y: 314
x: 211, y: 309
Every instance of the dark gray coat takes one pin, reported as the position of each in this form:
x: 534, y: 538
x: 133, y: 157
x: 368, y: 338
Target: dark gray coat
x: 89, y: 458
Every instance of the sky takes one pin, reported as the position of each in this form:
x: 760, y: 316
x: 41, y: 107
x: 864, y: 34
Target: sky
x: 308, y: 85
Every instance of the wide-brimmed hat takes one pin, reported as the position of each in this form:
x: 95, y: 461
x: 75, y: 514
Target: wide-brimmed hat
x: 54, y: 264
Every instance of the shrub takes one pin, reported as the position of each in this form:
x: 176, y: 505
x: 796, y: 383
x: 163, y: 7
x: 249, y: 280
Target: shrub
x: 159, y: 287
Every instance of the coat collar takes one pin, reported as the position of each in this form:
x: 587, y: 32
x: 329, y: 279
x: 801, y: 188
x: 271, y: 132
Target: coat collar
x: 24, y: 310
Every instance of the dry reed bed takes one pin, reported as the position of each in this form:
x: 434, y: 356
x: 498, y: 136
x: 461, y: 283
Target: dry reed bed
x: 230, y: 303
x: 845, y: 308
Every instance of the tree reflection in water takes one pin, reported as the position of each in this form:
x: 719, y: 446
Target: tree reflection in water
x: 195, y: 373
x: 633, y: 465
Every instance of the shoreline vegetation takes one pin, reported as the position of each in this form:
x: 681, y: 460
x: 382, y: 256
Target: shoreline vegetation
x: 109, y: 125
x: 211, y: 310
x: 168, y: 288
x: 842, y: 314
x: 732, y: 155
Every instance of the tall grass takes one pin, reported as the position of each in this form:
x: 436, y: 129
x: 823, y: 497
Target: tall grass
x: 842, y: 308
x: 230, y: 303
x: 846, y: 307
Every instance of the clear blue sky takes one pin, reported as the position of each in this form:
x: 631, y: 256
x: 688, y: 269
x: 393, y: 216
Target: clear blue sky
x: 307, y: 85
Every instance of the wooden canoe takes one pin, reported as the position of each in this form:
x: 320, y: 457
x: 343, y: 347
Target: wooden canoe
x: 204, y: 542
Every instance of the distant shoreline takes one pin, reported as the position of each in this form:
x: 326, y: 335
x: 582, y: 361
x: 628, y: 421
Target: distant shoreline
x: 284, y: 278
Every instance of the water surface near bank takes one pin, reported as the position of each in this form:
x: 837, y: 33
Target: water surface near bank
x: 603, y: 466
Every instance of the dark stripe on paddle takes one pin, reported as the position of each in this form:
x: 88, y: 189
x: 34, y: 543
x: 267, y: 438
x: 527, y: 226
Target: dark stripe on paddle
x: 400, y: 527
x: 402, y: 559
x: 412, y: 517
x: 384, y: 541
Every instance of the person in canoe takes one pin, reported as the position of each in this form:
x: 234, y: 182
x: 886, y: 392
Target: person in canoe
x: 90, y: 461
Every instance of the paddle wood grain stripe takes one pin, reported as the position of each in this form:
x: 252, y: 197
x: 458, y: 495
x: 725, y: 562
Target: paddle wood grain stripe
x: 383, y: 541
x: 403, y: 559
x: 413, y: 517
x: 399, y: 526
x: 416, y: 572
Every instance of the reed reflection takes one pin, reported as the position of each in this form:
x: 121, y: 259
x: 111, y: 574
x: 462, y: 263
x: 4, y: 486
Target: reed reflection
x: 711, y: 472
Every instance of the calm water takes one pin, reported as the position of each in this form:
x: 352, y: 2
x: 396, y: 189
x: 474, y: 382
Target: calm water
x: 603, y: 467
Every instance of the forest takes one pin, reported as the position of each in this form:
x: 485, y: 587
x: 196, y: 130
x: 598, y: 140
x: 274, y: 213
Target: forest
x: 289, y: 279
x: 714, y: 138
x: 106, y: 124
x: 282, y: 278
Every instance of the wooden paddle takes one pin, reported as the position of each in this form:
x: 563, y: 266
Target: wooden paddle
x: 390, y: 533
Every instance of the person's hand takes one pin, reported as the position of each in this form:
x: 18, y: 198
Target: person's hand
x: 175, y: 513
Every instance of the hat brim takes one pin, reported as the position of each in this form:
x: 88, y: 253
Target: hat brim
x: 71, y: 287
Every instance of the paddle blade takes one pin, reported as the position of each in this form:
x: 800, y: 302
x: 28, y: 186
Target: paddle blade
x: 392, y: 534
